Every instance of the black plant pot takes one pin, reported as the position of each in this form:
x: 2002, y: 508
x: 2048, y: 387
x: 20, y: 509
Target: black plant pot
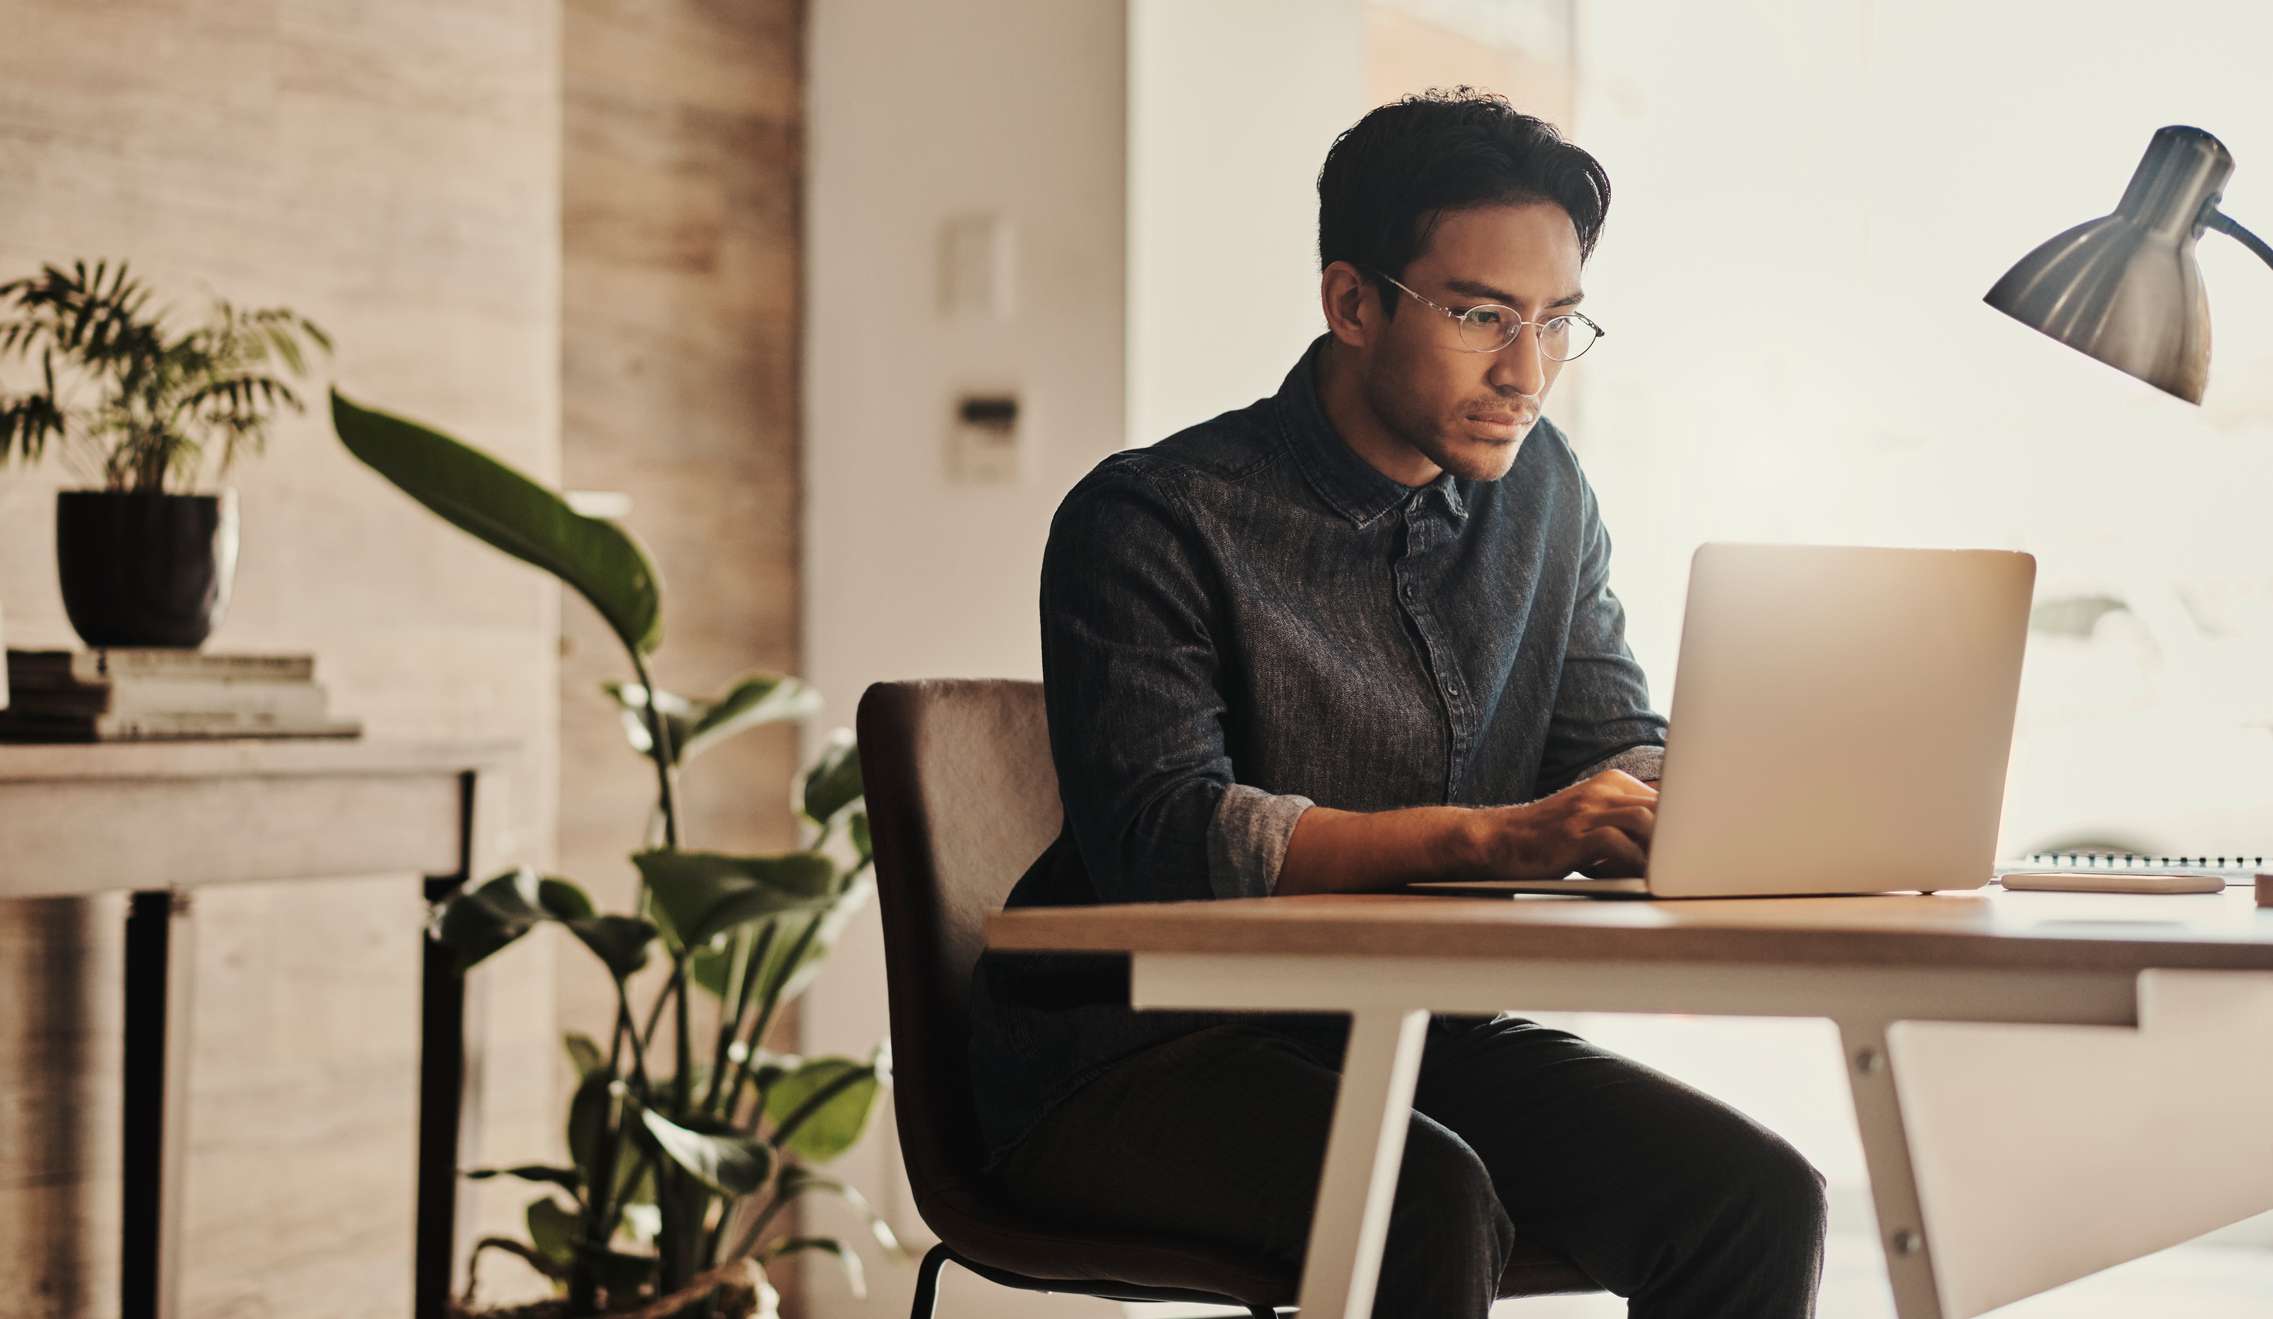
x: 145, y: 569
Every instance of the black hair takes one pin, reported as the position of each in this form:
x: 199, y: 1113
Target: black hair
x: 1390, y: 177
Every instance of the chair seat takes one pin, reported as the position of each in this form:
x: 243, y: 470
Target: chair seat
x: 1122, y: 1267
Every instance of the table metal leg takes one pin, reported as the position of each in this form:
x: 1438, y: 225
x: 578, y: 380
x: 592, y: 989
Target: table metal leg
x: 1363, y: 1150
x: 159, y: 965
x: 1893, y: 1180
x: 442, y: 1074
x: 441, y: 1086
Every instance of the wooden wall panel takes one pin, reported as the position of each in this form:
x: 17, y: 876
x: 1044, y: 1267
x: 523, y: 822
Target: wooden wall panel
x: 682, y: 172
x: 393, y: 171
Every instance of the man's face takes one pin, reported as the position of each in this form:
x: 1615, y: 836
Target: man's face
x: 1467, y: 411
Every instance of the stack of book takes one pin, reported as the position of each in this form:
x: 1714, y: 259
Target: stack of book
x: 140, y: 695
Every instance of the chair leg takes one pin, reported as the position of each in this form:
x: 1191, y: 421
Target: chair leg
x: 927, y: 1283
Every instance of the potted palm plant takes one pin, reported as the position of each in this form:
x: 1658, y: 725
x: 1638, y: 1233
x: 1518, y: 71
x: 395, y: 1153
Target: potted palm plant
x: 683, y: 1155
x: 145, y: 559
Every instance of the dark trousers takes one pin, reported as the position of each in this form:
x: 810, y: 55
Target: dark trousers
x: 1521, y: 1132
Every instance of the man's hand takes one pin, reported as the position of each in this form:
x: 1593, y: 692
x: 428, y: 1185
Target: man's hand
x: 1600, y: 826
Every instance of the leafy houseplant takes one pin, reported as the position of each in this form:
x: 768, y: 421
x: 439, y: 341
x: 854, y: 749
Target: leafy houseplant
x: 681, y: 1161
x: 142, y: 562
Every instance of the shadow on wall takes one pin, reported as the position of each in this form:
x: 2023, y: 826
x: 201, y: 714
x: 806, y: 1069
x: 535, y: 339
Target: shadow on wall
x: 2142, y: 683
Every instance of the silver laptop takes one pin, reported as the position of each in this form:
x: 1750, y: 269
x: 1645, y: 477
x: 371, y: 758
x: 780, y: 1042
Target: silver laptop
x: 1841, y: 723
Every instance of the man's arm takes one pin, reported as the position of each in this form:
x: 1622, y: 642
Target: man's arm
x: 1602, y: 718
x: 1600, y: 825
x: 1133, y: 682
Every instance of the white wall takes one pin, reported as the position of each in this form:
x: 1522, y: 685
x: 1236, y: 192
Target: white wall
x: 920, y: 112
x: 1810, y: 202
x: 1223, y: 195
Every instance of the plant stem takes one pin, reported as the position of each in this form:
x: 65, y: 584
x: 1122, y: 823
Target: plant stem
x: 771, y: 1006
x: 729, y: 1030
x: 655, y: 1012
x: 659, y: 750
x: 583, y: 1284
x: 683, y: 1084
x: 757, y: 1232
x: 638, y: 1050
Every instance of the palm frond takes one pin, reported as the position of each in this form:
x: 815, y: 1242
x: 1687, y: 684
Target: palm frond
x: 166, y: 400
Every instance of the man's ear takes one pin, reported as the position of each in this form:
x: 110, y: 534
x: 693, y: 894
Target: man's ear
x: 1352, y: 307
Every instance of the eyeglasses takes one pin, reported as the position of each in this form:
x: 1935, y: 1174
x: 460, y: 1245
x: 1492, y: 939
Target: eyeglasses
x: 1491, y: 327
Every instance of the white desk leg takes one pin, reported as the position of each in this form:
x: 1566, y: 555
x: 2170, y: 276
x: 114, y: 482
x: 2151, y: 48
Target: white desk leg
x: 1893, y: 1180
x: 1363, y: 1149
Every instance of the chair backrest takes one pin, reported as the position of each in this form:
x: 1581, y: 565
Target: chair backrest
x: 962, y: 797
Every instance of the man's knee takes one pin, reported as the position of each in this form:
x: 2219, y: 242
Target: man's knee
x: 1446, y: 1215
x: 1784, y: 1193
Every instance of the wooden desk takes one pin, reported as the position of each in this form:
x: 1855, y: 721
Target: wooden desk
x: 159, y: 820
x: 2047, y: 1083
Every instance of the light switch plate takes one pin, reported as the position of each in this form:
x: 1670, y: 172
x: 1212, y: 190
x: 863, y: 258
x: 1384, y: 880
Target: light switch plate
x: 986, y: 439
x: 975, y: 267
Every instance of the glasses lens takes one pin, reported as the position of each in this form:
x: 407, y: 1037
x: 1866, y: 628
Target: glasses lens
x: 1565, y: 337
x: 1488, y: 328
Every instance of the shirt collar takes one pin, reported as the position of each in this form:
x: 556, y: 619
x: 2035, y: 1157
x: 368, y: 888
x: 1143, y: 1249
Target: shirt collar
x: 1348, y: 483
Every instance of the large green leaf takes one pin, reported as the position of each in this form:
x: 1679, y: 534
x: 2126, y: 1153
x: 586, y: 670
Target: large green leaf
x: 480, y: 495
x: 730, y: 1162
x: 789, y: 961
x: 701, y: 894
x: 552, y: 1229
x: 588, y: 1112
x: 475, y: 922
x: 563, y: 901
x: 833, y: 782
x: 583, y: 1054
x: 755, y: 698
x: 479, y: 921
x: 708, y: 967
x: 829, y: 1099
x: 792, y: 963
x: 619, y: 941
x: 679, y: 715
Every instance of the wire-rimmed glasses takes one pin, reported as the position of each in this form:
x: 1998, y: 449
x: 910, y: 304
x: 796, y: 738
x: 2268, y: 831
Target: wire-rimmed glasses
x: 1491, y: 327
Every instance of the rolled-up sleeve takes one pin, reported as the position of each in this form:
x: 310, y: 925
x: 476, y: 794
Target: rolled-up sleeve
x: 1134, y: 683
x: 1602, y: 717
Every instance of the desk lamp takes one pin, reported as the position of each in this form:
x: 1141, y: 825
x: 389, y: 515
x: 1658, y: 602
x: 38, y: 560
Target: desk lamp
x: 2124, y: 288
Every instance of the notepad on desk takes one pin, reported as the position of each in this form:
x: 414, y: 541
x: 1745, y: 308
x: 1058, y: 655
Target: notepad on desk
x: 2123, y: 872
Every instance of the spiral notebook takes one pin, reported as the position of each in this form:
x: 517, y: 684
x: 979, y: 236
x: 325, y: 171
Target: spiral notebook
x: 2232, y: 867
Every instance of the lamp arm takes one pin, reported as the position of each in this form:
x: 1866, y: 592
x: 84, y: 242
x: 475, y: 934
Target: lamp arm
x: 2226, y: 224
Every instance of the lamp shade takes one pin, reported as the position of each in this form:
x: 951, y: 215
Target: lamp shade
x: 2125, y: 288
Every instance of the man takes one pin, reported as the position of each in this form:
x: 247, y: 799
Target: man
x: 1357, y: 634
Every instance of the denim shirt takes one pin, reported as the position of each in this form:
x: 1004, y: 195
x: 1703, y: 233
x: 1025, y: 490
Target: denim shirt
x: 1247, y: 619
